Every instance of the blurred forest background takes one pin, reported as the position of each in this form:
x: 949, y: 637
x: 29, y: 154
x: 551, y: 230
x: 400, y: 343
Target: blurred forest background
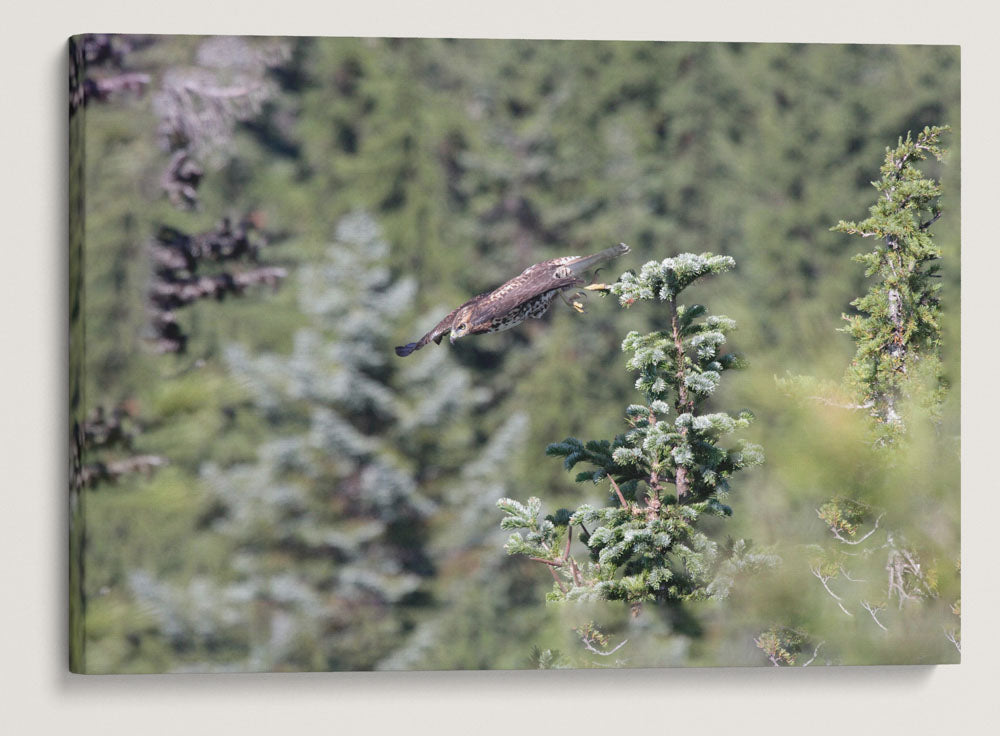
x: 263, y: 485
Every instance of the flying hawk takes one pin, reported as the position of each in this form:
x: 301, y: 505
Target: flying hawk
x: 526, y: 295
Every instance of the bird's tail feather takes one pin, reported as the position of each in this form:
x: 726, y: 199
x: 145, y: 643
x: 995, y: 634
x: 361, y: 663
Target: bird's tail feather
x: 588, y: 262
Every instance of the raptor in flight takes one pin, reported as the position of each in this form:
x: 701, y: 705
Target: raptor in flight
x: 526, y: 295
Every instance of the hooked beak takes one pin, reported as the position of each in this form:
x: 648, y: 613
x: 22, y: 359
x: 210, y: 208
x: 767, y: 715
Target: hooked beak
x: 451, y: 338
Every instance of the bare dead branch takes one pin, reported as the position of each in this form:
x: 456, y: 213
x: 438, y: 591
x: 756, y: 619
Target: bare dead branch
x: 903, y: 566
x: 815, y: 653
x: 824, y: 579
x: 952, y: 636
x: 837, y: 535
x: 588, y: 644
x: 873, y: 610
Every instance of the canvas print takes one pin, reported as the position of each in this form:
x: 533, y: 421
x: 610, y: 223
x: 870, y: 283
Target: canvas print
x: 410, y: 354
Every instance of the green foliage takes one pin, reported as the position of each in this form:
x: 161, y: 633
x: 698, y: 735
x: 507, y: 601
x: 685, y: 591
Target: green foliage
x: 647, y: 546
x: 546, y: 659
x: 898, y: 332
x: 475, y: 159
x: 844, y: 515
x: 897, y: 377
x: 325, y: 524
x: 784, y: 646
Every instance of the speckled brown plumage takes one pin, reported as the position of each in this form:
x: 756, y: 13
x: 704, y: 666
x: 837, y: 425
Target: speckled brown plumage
x: 528, y: 294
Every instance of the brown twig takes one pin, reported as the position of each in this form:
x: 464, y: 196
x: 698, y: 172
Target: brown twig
x: 551, y: 563
x: 558, y: 581
x: 618, y: 491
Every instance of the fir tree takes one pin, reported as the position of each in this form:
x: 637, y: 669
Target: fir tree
x: 462, y: 149
x: 665, y: 472
x: 328, y: 526
x: 868, y: 565
x: 898, y: 332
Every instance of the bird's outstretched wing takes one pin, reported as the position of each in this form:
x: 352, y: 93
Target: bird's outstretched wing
x: 530, y: 283
x: 441, y: 329
x: 509, y: 304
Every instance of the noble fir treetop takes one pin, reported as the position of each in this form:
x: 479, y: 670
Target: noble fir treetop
x: 665, y: 471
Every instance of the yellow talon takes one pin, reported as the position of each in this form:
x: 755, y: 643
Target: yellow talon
x: 597, y: 287
x: 578, y: 306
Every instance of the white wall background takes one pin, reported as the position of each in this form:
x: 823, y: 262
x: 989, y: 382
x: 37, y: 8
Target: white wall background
x: 38, y: 694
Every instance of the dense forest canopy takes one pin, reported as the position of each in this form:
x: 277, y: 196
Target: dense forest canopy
x: 263, y: 220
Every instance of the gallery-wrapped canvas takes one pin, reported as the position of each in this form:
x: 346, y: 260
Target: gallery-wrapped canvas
x: 398, y: 353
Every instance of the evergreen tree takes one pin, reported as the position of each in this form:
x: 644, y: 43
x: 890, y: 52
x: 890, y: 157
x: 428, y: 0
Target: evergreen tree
x: 495, y: 154
x: 898, y: 331
x: 872, y: 564
x: 328, y: 526
x: 664, y: 473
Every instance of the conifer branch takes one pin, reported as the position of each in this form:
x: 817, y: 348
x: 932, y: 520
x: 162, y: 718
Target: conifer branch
x: 558, y: 581
x: 544, y: 561
x: 925, y: 225
x: 618, y: 492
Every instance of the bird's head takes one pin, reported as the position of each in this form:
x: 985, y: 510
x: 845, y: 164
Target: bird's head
x: 460, y: 325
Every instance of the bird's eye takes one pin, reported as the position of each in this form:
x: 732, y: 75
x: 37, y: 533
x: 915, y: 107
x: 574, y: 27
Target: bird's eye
x: 462, y: 327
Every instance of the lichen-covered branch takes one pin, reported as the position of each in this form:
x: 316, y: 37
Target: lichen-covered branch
x: 897, y: 330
